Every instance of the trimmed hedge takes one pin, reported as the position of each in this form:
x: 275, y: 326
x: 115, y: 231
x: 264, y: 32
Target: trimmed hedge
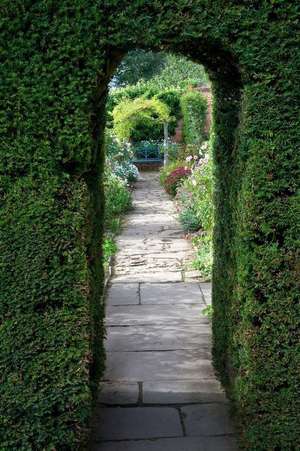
x: 56, y: 61
x: 194, y: 109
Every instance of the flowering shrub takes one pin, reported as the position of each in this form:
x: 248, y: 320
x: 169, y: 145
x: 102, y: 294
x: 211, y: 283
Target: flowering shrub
x: 195, y: 208
x: 175, y: 178
x: 116, y: 150
x: 118, y: 158
x: 200, y: 185
x: 126, y: 170
x: 117, y: 201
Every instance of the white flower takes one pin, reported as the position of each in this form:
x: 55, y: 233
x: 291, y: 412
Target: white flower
x: 195, y: 157
x: 189, y: 158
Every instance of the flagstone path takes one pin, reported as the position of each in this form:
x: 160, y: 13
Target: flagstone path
x: 159, y: 391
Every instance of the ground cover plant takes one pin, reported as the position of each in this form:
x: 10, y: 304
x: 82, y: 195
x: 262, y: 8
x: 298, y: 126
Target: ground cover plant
x: 57, y: 60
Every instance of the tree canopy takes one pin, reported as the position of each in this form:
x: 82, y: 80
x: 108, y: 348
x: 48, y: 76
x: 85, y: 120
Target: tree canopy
x: 162, y: 70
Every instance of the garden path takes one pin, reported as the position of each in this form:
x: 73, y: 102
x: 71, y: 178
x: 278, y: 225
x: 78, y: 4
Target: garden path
x: 159, y: 391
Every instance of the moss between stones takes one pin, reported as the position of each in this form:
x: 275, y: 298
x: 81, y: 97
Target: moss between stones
x: 56, y: 60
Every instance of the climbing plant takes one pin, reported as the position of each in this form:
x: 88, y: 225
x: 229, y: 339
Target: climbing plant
x: 57, y: 59
x: 132, y: 117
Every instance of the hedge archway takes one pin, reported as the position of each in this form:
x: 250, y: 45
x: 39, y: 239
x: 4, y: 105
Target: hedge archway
x: 56, y: 62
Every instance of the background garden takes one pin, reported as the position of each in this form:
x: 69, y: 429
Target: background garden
x: 149, y: 91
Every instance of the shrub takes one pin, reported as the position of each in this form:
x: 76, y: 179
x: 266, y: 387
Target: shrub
x: 175, y: 178
x: 117, y: 197
x: 204, y: 255
x: 194, y: 200
x: 165, y: 171
x: 126, y: 171
x: 117, y: 201
x: 194, y: 110
x: 118, y: 158
x: 116, y: 151
x: 189, y: 220
x: 200, y: 186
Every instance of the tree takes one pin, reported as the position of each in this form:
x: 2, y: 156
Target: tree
x: 163, y: 70
x: 179, y: 72
x: 139, y: 65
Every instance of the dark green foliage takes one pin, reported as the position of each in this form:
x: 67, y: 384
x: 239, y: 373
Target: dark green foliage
x: 179, y: 72
x: 139, y: 65
x: 44, y: 393
x: 56, y: 61
x: 194, y: 108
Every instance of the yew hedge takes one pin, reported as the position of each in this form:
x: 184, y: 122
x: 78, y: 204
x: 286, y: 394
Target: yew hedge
x: 194, y: 110
x: 56, y: 61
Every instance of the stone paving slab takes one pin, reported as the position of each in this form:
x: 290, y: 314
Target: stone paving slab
x: 206, y: 291
x: 150, y: 314
x: 158, y: 338
x: 121, y: 423
x: 158, y: 365
x: 144, y: 263
x: 182, y: 392
x: 159, y: 383
x: 206, y: 286
x: 123, y: 294
x: 168, y: 276
x: 170, y: 293
x: 171, y: 444
x: 118, y: 393
x: 207, y: 419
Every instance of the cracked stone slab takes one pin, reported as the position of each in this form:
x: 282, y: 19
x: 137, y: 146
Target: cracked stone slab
x: 158, y: 365
x: 206, y: 288
x: 121, y: 423
x: 154, y: 337
x: 207, y: 419
x: 180, y: 392
x: 118, y: 393
x: 150, y: 314
x: 123, y: 294
x: 170, y: 293
x: 172, y: 444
